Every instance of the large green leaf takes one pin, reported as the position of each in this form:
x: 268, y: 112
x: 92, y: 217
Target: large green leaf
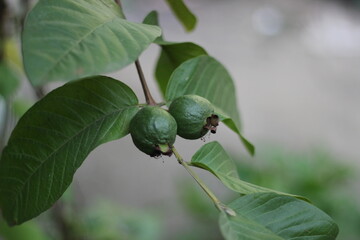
x: 53, y: 138
x: 172, y: 54
x: 271, y: 216
x: 214, y: 158
x: 9, y: 80
x: 183, y: 14
x: 65, y: 39
x: 206, y: 77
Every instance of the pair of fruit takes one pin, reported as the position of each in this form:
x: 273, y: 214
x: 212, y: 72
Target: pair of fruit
x: 153, y: 129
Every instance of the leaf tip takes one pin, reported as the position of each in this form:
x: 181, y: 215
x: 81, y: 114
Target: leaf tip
x: 152, y: 18
x: 248, y: 145
x: 189, y: 27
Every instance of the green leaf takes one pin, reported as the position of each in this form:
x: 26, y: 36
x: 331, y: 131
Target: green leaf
x: 173, y: 55
x: 183, y: 14
x: 228, y: 121
x: 206, y: 77
x: 212, y: 157
x: 64, y: 40
x: 53, y: 138
x: 9, y: 80
x: 276, y: 217
x: 151, y: 18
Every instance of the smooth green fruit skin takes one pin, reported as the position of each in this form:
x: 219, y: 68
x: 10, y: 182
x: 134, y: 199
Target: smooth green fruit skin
x: 190, y: 113
x: 152, y: 126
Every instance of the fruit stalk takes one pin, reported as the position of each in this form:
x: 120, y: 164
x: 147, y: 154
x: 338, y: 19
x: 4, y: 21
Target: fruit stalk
x: 219, y: 205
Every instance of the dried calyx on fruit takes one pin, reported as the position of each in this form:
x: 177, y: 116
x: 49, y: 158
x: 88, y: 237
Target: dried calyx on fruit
x: 194, y: 116
x: 153, y: 131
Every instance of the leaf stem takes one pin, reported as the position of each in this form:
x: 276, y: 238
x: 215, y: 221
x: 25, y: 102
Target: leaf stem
x: 219, y: 205
x: 149, y: 99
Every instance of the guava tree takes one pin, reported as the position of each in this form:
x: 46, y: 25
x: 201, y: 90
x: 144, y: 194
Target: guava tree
x: 77, y: 41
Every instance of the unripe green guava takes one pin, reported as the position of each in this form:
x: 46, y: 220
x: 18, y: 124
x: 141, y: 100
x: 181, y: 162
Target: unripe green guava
x: 194, y: 116
x: 153, y: 131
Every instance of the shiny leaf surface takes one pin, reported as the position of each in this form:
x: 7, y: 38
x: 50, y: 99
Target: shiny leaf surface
x: 54, y: 137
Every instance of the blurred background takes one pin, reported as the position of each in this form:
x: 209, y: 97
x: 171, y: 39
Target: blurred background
x: 295, y: 64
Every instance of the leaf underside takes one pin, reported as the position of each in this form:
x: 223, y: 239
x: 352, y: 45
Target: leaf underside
x: 65, y: 40
x: 53, y: 138
x: 276, y: 217
x: 206, y: 77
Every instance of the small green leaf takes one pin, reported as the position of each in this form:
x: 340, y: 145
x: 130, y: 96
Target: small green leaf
x: 206, y: 77
x: 9, y: 80
x: 183, y: 14
x: 64, y: 40
x: 213, y: 157
x: 276, y: 217
x: 53, y: 138
x: 152, y: 19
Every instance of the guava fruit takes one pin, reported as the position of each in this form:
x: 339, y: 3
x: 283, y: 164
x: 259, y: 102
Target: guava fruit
x: 194, y: 116
x: 153, y: 131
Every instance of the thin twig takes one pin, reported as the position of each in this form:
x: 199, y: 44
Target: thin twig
x: 219, y: 205
x: 149, y: 99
